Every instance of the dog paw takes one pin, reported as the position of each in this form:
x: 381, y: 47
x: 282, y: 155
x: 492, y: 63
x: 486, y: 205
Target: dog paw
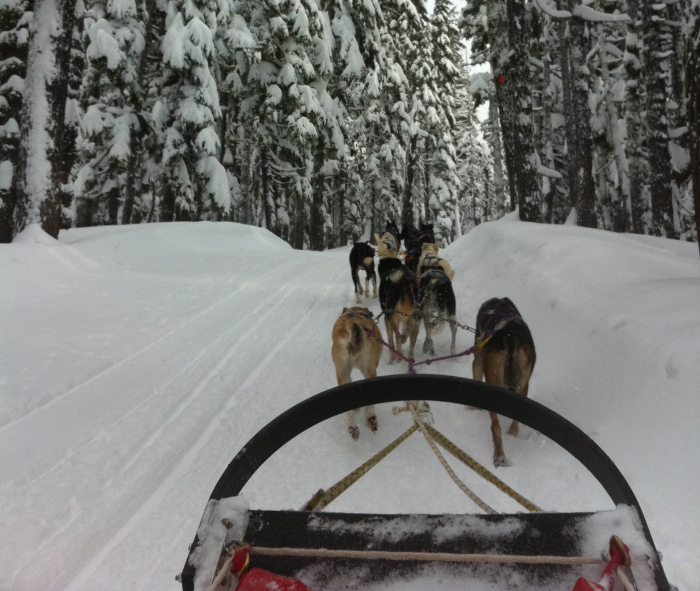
x: 372, y: 423
x: 500, y: 462
x: 354, y: 432
x: 514, y: 429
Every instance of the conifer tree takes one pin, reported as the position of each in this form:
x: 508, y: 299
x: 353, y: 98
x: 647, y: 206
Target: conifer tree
x: 196, y: 183
x: 40, y: 166
x: 111, y: 127
x: 14, y: 34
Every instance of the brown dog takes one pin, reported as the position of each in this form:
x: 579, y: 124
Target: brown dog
x: 352, y: 349
x: 506, y: 359
x: 430, y: 258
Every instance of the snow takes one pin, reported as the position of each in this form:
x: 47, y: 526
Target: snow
x: 135, y: 361
x: 588, y: 14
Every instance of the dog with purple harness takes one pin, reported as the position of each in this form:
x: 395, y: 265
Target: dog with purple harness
x: 505, y: 356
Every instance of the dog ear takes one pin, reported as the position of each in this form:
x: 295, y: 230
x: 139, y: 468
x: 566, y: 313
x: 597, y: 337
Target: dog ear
x: 345, y: 310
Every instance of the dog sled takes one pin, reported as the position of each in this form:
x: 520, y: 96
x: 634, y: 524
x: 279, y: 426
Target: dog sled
x: 325, y: 551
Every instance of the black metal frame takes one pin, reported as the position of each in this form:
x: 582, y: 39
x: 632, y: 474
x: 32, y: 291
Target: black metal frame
x: 398, y: 388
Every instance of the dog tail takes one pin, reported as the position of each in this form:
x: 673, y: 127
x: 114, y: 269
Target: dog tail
x: 511, y: 370
x: 368, y: 261
x: 356, y: 337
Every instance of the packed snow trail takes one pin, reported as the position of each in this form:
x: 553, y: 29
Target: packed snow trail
x: 136, y: 361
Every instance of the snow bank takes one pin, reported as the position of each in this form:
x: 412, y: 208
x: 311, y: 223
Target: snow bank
x: 616, y: 322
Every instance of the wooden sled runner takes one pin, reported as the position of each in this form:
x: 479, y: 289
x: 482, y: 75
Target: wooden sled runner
x: 333, y: 551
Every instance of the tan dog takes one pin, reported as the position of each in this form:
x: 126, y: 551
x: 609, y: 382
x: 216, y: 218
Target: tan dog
x: 430, y: 258
x: 506, y: 358
x: 386, y: 245
x: 352, y: 349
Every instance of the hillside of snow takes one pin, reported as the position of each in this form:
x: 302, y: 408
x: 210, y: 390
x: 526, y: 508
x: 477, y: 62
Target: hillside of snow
x: 135, y: 361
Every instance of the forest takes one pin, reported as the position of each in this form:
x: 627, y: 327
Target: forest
x: 322, y: 119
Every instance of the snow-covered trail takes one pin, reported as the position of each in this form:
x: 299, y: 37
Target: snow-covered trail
x: 139, y: 360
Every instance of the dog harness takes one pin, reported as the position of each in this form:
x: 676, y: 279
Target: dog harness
x: 368, y: 315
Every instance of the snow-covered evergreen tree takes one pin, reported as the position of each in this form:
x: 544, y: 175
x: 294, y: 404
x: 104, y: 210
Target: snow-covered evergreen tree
x: 15, y: 18
x: 111, y: 128
x: 40, y: 166
x: 195, y: 181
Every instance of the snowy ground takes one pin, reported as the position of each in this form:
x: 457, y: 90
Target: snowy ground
x: 136, y: 361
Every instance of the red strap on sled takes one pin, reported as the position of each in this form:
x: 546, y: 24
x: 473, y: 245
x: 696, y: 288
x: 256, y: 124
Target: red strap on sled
x: 619, y: 555
x: 257, y: 579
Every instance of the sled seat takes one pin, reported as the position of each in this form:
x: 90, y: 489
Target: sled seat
x: 532, y: 534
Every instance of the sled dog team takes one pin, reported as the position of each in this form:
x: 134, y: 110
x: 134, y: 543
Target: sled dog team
x: 420, y: 288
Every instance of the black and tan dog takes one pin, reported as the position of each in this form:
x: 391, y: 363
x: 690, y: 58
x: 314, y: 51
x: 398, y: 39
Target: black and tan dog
x: 398, y: 299
x: 506, y: 359
x: 362, y: 257
x: 352, y: 349
x: 438, y: 306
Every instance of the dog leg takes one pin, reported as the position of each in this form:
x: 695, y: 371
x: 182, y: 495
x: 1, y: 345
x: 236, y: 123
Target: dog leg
x: 499, y: 458
x: 371, y: 417
x: 453, y: 328
x: 428, y: 346
x: 515, y: 426
x: 353, y: 429
x: 374, y: 285
x: 413, y: 326
x: 356, y: 282
x: 477, y: 370
x: 390, y: 336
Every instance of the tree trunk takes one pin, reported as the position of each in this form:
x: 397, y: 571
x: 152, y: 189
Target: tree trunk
x: 581, y: 182
x: 498, y: 34
x: 299, y: 221
x: 407, y: 209
x: 692, y: 87
x: 41, y: 166
x: 497, y: 149
x: 635, y: 124
x: 656, y: 67
x: 317, y: 221
x: 264, y: 191
x: 523, y: 174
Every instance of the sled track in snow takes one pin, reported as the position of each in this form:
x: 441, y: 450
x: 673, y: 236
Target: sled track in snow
x: 194, y: 362
x: 193, y: 448
x: 126, y: 359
